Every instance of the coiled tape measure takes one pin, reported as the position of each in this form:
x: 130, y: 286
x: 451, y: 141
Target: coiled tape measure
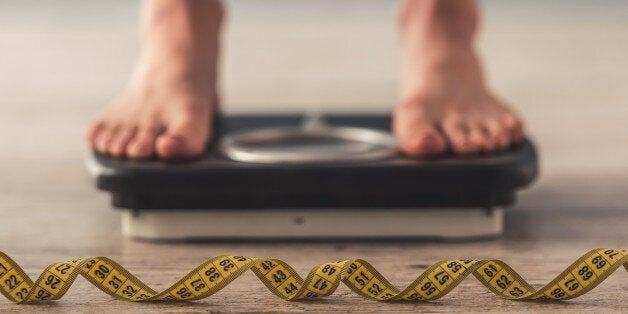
x: 281, y: 279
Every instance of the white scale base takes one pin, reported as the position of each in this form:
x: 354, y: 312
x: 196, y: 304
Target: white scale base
x: 443, y: 223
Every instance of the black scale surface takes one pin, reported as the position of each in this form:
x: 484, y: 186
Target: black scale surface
x: 215, y: 182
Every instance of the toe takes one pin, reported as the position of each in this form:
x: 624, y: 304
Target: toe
x: 180, y: 143
x: 103, y: 141
x: 514, y: 127
x: 174, y: 145
x: 415, y: 132
x: 424, y: 141
x: 119, y: 143
x: 479, y: 138
x: 142, y: 145
x: 498, y: 136
x: 185, y: 138
x: 93, y: 132
x: 458, y: 136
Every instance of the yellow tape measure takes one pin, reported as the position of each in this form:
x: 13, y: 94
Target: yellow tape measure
x: 281, y: 279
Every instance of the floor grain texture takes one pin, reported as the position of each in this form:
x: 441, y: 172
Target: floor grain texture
x: 563, y: 66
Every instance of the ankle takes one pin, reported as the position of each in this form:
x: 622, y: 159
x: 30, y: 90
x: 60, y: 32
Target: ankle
x: 183, y: 25
x: 438, y: 23
x: 437, y: 61
x: 166, y: 73
x: 439, y: 70
x: 181, y: 39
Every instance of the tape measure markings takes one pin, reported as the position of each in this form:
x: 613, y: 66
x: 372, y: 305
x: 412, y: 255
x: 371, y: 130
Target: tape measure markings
x: 282, y: 280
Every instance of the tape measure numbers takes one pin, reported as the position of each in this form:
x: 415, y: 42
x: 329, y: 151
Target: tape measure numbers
x: 281, y: 279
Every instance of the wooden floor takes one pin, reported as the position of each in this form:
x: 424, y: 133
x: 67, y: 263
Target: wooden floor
x: 563, y: 66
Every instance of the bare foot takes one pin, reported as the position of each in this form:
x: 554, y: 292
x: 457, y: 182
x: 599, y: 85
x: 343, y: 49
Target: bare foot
x: 452, y: 110
x: 169, y: 105
x: 445, y: 105
x: 164, y: 116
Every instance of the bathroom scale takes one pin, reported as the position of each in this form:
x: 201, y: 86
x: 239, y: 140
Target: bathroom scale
x: 297, y: 176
